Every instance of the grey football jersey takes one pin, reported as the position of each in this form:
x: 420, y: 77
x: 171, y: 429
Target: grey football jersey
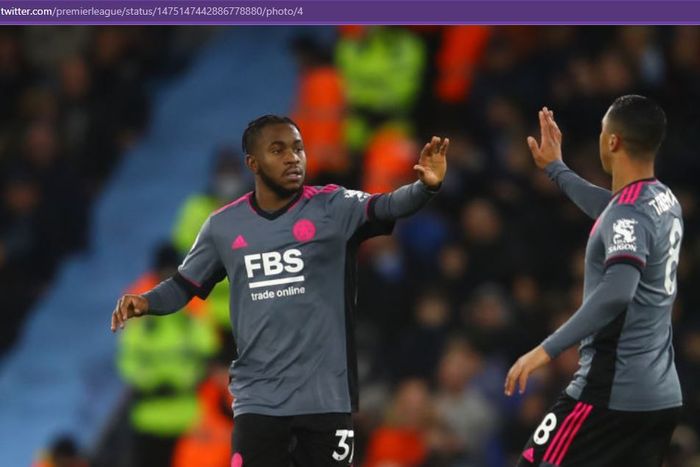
x: 292, y: 296
x: 629, y: 364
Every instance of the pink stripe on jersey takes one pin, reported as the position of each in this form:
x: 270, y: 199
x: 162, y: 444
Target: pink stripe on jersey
x: 635, y: 195
x: 310, y: 192
x: 552, y: 448
x: 630, y: 195
x: 329, y: 188
x: 630, y: 192
x: 234, y: 203
x: 623, y: 195
x: 579, y: 423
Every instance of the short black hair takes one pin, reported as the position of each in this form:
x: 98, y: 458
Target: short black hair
x: 641, y: 122
x: 255, y: 127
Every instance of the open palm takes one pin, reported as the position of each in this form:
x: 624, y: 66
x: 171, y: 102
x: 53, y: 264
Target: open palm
x: 432, y: 164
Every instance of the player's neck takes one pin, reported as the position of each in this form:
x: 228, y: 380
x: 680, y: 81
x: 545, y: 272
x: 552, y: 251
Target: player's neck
x: 270, y: 201
x: 629, y: 172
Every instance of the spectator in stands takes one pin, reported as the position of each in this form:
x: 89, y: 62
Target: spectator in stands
x: 403, y: 439
x: 208, y: 443
x: 469, y: 419
x: 227, y: 183
x: 63, y: 452
x: 382, y: 70
x: 22, y: 272
x: 320, y: 113
x: 419, y: 347
x: 163, y: 359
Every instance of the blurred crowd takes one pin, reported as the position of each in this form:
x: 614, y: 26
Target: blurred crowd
x: 463, y: 288
x: 73, y: 100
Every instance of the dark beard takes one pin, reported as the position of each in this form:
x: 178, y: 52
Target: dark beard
x: 279, y: 190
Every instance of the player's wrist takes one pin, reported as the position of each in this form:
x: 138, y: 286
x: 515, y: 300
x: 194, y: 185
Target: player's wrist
x: 553, y: 167
x: 145, y: 305
x: 435, y: 187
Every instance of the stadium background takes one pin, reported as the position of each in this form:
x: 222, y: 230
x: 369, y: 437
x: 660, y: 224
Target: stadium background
x: 114, y: 142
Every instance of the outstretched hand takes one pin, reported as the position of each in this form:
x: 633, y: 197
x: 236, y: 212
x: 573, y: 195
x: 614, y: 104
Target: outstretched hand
x: 549, y: 149
x: 129, y: 306
x: 432, y: 164
x: 520, y: 371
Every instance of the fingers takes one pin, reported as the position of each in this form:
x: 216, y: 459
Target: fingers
x: 114, y: 323
x: 545, y: 127
x: 554, y: 128
x: 419, y: 168
x: 117, y: 321
x: 511, y: 378
x: 518, y: 376
x: 534, y: 148
x: 121, y: 313
x: 436, y: 146
x: 522, y: 379
x: 445, y: 145
x: 544, y: 131
x: 123, y: 308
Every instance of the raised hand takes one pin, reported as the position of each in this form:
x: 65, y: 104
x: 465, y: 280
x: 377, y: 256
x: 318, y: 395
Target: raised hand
x: 432, y: 164
x: 129, y: 306
x: 549, y: 149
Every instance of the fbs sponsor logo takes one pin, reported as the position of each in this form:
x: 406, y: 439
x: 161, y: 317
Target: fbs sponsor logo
x: 263, y: 269
x: 623, y: 236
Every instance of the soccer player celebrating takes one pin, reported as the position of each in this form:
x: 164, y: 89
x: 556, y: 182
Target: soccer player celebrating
x: 623, y: 403
x: 288, y: 251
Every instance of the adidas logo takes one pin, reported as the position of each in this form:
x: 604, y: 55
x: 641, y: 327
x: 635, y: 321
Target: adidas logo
x: 239, y: 242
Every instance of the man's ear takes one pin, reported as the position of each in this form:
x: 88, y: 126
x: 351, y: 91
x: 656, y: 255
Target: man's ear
x: 614, y: 143
x: 252, y: 163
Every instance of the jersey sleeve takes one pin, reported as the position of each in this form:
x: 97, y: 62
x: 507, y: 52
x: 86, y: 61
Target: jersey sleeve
x: 353, y: 211
x: 202, y: 268
x: 627, y: 236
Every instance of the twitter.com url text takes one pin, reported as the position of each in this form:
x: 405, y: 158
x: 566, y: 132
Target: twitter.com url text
x: 185, y: 12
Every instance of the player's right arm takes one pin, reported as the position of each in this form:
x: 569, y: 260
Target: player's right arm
x: 590, y: 198
x: 197, y: 275
x: 353, y: 209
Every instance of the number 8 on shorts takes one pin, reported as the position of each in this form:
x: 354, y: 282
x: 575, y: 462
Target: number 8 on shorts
x: 543, y: 431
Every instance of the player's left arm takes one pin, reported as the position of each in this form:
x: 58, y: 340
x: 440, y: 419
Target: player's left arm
x: 408, y: 199
x: 626, y: 235
x: 608, y: 300
x: 547, y: 154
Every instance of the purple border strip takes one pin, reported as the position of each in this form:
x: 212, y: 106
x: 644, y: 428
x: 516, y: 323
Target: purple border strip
x: 313, y: 12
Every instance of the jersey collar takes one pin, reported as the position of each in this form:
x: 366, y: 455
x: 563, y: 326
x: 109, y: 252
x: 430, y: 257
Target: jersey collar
x: 650, y: 179
x: 274, y: 214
